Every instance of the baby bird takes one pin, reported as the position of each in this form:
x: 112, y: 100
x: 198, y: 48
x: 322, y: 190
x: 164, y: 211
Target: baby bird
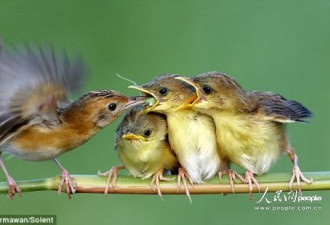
x: 191, y: 134
x: 250, y: 125
x: 143, y: 148
x: 37, y: 121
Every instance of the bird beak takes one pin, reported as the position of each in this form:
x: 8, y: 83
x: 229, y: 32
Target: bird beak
x: 195, y: 98
x: 152, y: 104
x: 133, y: 137
x: 134, y: 101
x: 188, y: 103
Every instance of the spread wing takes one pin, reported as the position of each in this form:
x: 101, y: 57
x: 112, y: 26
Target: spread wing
x: 34, y: 82
x: 275, y: 107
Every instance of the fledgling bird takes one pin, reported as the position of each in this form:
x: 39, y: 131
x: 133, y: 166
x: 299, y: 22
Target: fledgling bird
x: 191, y: 134
x: 250, y: 125
x: 225, y: 162
x: 37, y: 121
x: 143, y: 148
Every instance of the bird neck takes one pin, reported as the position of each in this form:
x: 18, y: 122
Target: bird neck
x: 181, y: 114
x: 180, y: 120
x: 80, y: 120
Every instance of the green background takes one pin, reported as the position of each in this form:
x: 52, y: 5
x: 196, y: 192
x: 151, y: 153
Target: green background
x: 282, y: 46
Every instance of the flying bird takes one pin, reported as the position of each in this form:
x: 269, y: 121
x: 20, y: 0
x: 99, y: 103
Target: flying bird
x: 37, y: 121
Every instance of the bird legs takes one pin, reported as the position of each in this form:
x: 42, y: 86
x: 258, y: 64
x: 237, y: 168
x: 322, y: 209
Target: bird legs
x: 12, y: 186
x: 249, y: 179
x: 296, y: 172
x: 183, y: 175
x: 113, y: 172
x: 232, y: 174
x: 65, y: 180
x: 158, y: 176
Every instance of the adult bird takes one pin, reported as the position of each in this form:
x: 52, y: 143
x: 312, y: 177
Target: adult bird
x: 37, y: 121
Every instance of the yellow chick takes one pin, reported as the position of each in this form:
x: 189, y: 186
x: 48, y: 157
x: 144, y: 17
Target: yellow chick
x: 250, y: 125
x: 191, y: 134
x: 143, y: 148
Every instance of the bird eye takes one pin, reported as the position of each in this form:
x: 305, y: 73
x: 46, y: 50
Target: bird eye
x: 163, y: 91
x: 112, y: 106
x: 147, y: 133
x: 207, y: 89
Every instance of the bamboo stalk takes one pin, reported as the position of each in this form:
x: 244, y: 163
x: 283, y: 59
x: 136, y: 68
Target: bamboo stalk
x: 131, y: 185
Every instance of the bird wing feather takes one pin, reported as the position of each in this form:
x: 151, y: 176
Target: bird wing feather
x: 275, y: 107
x: 34, y: 83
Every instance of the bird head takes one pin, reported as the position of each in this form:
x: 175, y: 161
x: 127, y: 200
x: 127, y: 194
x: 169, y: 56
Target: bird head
x: 169, y: 93
x: 104, y: 106
x: 214, y: 91
x: 140, y: 127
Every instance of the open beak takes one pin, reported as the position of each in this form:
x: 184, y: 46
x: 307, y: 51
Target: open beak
x: 198, y: 96
x: 134, y: 101
x: 133, y: 137
x: 152, y: 104
x: 188, y: 103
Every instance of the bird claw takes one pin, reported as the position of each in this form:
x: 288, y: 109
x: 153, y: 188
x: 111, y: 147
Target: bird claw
x: 183, y: 175
x: 13, y: 188
x: 158, y: 176
x: 297, y: 175
x: 232, y: 174
x: 249, y: 179
x: 66, y: 181
x: 112, y: 173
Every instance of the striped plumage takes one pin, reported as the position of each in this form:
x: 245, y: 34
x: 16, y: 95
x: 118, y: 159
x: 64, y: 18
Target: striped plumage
x: 37, y: 121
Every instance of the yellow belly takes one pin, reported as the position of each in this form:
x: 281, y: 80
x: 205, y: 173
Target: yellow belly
x: 144, y: 159
x: 192, y: 137
x: 249, y: 142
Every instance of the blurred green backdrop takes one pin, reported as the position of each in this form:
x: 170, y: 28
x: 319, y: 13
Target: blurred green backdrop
x: 281, y: 45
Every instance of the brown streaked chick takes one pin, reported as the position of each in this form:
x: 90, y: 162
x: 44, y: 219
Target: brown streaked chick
x: 143, y: 148
x: 37, y: 121
x: 250, y: 124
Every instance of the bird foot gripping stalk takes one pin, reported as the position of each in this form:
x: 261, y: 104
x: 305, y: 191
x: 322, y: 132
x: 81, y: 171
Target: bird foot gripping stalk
x: 250, y: 179
x: 66, y: 181
x: 232, y: 174
x: 183, y: 175
x: 297, y: 175
x: 112, y: 173
x: 158, y: 176
x: 12, y: 186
